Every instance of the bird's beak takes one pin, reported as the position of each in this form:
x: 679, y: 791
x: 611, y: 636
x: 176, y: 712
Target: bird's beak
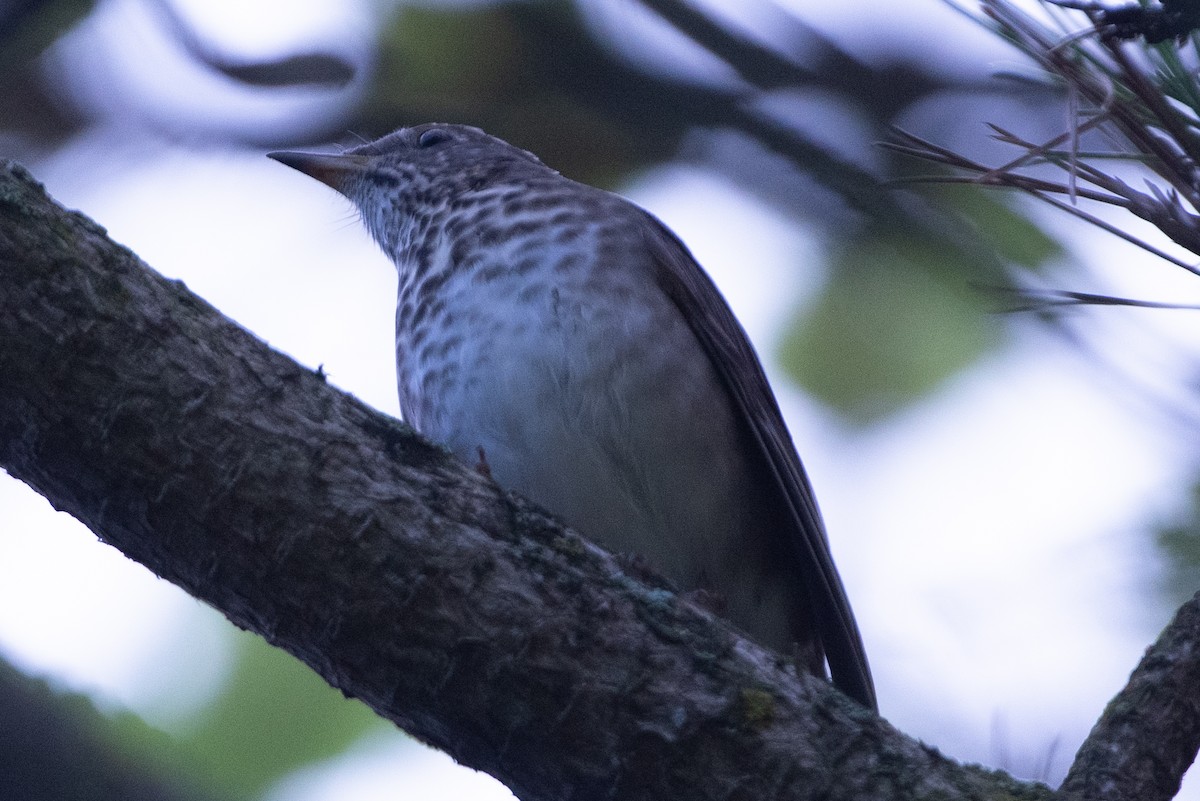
x: 330, y: 169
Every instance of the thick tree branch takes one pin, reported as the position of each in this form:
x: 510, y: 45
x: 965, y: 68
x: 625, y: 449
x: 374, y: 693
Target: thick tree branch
x: 403, y: 577
x: 1149, y: 734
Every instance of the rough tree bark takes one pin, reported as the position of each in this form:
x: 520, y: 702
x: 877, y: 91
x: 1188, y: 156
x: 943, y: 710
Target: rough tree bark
x: 403, y: 577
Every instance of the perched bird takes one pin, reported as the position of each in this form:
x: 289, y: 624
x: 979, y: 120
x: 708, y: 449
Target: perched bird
x: 566, y: 339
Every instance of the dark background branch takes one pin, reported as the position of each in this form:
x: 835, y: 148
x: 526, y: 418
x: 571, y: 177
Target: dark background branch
x: 56, y: 747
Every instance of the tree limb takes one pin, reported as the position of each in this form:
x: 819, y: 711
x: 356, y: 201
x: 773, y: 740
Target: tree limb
x: 1149, y: 734
x: 405, y: 578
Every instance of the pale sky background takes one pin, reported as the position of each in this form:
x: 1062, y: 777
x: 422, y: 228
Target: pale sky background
x: 989, y: 537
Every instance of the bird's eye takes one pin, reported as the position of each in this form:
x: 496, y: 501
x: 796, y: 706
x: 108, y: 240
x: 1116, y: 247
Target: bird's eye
x: 432, y: 137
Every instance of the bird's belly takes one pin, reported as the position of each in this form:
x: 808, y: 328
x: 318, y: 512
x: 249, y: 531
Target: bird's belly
x: 621, y: 427
x: 629, y: 455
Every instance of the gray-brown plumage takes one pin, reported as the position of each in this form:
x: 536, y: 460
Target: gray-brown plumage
x: 569, y: 339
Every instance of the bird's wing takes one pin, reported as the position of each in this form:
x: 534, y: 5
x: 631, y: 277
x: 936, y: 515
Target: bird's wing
x: 726, y: 343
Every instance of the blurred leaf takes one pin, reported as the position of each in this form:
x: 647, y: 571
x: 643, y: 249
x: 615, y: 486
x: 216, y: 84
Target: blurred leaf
x: 57, y: 745
x: 888, y: 329
x: 274, y: 716
x: 509, y: 69
x: 1180, y: 542
x: 1013, y: 236
x: 30, y: 109
x: 27, y: 27
x: 449, y: 56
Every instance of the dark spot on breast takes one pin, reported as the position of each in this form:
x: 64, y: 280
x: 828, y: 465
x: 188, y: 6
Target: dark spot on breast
x: 404, y: 312
x: 423, y: 256
x: 448, y: 374
x: 455, y: 225
x: 442, y: 351
x: 537, y: 243
x: 459, y: 252
x: 526, y: 265
x: 568, y: 263
x: 568, y: 234
x: 523, y: 228
x: 610, y: 253
x: 432, y: 284
x: 531, y: 292
x: 488, y: 235
x: 435, y: 307
x: 478, y: 216
x: 490, y: 273
x: 418, y: 315
x: 419, y: 335
x: 622, y: 293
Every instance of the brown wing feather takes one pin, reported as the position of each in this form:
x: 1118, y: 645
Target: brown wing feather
x: 729, y: 348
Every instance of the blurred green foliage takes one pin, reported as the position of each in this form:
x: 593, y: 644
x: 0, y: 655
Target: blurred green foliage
x: 57, y: 746
x: 884, y: 330
x: 1006, y: 232
x: 272, y: 715
x: 902, y: 314
x: 1179, y: 541
x: 515, y: 70
x: 27, y: 28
